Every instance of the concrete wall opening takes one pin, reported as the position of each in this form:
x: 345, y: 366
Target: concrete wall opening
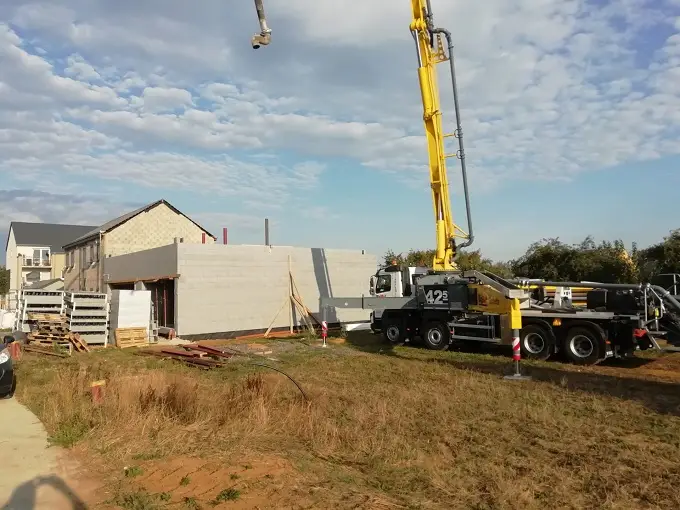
x: 163, y: 299
x: 122, y: 286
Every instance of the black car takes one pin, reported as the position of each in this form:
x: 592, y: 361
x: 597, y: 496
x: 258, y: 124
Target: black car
x: 8, y: 381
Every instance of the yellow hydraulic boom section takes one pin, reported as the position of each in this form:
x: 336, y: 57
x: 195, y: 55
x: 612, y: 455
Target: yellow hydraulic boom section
x: 430, y: 51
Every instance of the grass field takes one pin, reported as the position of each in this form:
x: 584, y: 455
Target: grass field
x: 381, y: 428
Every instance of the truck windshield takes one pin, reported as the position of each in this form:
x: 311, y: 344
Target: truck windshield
x: 384, y: 283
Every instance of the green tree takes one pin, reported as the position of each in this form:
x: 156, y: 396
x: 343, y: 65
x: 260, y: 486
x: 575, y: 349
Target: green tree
x: 4, y: 280
x: 466, y: 260
x: 551, y: 259
x: 412, y: 258
x: 663, y: 257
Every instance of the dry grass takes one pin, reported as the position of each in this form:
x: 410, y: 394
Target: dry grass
x: 414, y: 429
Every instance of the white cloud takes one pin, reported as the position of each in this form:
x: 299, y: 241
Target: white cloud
x: 42, y: 206
x: 81, y: 70
x: 176, y: 98
x: 159, y: 99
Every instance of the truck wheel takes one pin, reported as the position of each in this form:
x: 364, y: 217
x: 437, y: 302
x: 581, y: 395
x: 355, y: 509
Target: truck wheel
x: 393, y: 330
x: 536, y: 342
x: 436, y: 335
x: 582, y: 346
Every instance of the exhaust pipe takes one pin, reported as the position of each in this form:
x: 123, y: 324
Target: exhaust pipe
x: 265, y: 35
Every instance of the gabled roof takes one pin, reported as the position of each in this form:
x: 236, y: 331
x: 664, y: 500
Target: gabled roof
x: 54, y: 235
x: 110, y: 225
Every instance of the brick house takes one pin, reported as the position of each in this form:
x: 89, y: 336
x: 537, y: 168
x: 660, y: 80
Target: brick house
x: 154, y: 225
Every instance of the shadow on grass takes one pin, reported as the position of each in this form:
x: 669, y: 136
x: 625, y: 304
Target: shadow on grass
x: 660, y: 397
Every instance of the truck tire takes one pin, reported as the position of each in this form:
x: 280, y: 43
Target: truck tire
x: 536, y: 342
x: 436, y: 335
x: 583, y: 346
x: 393, y: 330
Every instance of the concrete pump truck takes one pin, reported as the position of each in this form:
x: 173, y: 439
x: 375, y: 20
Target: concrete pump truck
x: 441, y: 305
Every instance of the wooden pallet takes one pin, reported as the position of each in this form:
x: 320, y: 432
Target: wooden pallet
x: 70, y: 338
x: 52, y: 318
x: 78, y: 343
x: 131, y: 337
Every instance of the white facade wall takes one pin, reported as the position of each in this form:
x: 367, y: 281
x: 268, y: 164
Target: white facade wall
x: 231, y: 288
x: 240, y: 288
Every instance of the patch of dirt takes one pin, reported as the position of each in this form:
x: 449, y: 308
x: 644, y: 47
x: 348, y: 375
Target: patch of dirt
x: 253, y: 483
x: 76, y: 468
x: 246, y: 347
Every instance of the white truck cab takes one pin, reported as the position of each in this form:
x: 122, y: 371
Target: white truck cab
x: 393, y: 281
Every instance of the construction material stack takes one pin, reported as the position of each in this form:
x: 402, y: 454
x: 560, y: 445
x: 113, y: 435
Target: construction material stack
x: 50, y: 330
x: 37, y: 301
x: 88, y: 315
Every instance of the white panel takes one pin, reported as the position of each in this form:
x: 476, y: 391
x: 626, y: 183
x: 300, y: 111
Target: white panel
x: 129, y: 309
x: 133, y: 308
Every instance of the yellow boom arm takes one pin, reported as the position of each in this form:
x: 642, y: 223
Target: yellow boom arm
x: 430, y: 51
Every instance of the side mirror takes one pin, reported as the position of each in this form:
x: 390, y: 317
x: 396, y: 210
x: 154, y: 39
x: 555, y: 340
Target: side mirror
x: 372, y: 286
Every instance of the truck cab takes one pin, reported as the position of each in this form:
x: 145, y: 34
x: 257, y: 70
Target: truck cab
x: 393, y: 281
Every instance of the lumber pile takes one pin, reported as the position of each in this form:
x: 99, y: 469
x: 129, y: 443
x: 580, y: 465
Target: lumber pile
x: 52, y: 330
x: 131, y: 337
x: 196, y: 355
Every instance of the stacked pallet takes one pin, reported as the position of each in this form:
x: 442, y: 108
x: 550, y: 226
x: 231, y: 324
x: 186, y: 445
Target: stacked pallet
x: 131, y: 337
x: 53, y: 329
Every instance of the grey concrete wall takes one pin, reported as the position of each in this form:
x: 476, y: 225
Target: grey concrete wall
x: 154, y: 263
x: 240, y: 288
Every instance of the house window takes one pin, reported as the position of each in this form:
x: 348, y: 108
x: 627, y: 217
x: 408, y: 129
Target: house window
x: 91, y: 254
x: 41, y: 257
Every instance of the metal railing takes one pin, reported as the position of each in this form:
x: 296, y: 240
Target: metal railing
x: 41, y: 262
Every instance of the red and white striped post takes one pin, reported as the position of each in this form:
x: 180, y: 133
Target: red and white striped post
x: 324, y: 332
x: 516, y: 357
x: 516, y: 351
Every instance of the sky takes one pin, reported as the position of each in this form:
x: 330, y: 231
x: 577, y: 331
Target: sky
x: 570, y: 112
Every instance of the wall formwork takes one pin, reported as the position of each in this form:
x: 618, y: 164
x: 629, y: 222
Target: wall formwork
x: 222, y: 290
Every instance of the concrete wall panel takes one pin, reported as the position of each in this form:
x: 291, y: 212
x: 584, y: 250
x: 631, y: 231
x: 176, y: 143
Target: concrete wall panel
x: 240, y: 288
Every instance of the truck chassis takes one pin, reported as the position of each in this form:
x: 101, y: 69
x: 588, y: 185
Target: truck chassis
x: 441, y: 312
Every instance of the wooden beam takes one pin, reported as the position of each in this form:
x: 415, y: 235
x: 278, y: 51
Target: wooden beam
x: 150, y: 279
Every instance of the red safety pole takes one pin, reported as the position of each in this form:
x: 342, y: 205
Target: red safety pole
x: 97, y: 390
x: 203, y: 238
x: 224, y: 235
x: 15, y: 351
x: 324, y: 332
